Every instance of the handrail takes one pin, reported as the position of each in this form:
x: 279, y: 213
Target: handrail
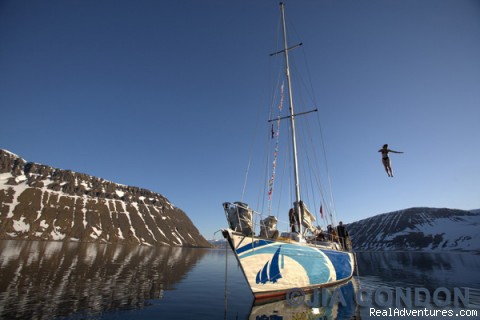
x: 255, y: 228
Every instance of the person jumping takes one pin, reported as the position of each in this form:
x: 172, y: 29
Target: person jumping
x: 386, y: 159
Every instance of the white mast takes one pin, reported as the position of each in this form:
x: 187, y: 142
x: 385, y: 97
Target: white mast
x: 292, y: 122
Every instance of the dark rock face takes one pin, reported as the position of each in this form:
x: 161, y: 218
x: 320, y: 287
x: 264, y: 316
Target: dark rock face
x: 424, y: 229
x: 38, y: 202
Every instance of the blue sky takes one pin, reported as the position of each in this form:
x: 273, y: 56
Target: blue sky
x: 163, y: 95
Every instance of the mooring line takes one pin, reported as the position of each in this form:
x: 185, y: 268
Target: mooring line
x: 226, y: 273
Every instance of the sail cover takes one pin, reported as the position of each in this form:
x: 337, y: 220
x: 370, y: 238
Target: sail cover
x: 307, y: 217
x: 240, y: 217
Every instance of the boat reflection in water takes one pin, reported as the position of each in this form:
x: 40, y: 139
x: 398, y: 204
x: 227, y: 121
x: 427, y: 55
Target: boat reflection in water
x: 336, y: 302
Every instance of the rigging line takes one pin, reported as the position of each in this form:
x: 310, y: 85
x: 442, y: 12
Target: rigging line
x: 273, y: 66
x: 226, y: 278
x: 313, y: 99
x: 246, y: 177
x: 276, y: 136
x: 303, y: 172
x: 307, y: 133
x: 317, y: 172
x: 307, y: 67
x: 256, y: 133
x: 300, y: 79
x: 331, y: 201
x: 307, y: 136
x: 282, y: 179
x: 309, y: 198
x: 251, y: 154
x: 328, y: 171
x: 261, y: 195
x: 262, y: 191
x: 279, y: 35
x: 310, y: 166
x: 290, y: 170
x: 286, y: 175
x: 314, y: 169
x: 325, y: 161
x: 280, y: 78
x: 269, y: 183
x: 309, y: 76
x: 320, y: 128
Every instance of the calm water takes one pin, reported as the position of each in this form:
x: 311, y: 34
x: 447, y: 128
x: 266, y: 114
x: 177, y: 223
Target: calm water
x: 55, y: 280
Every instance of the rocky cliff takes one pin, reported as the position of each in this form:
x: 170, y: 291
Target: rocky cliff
x: 38, y: 202
x: 419, y: 229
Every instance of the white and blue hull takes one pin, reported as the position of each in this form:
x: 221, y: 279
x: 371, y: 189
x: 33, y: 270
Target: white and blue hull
x: 273, y: 267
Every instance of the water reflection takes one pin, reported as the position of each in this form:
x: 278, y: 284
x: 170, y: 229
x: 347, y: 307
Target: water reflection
x: 421, y: 269
x: 336, y: 302
x: 48, y: 280
x: 43, y: 280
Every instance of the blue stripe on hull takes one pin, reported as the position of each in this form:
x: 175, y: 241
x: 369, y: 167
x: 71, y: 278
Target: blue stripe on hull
x: 321, y: 266
x: 341, y: 262
x: 254, y: 244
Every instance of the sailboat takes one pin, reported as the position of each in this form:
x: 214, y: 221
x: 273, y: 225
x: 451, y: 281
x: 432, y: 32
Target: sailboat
x: 303, y: 257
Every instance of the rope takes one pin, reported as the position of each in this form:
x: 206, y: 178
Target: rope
x: 275, y: 135
x: 226, y: 277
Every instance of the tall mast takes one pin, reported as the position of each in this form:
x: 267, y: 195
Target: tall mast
x: 292, y: 121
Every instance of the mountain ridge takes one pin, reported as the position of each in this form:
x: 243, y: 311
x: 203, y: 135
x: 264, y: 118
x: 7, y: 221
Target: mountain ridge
x: 418, y: 229
x: 39, y: 202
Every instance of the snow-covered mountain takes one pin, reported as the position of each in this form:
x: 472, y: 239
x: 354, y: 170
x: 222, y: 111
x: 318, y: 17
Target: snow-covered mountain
x: 38, y: 202
x: 419, y: 229
x: 218, y: 243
